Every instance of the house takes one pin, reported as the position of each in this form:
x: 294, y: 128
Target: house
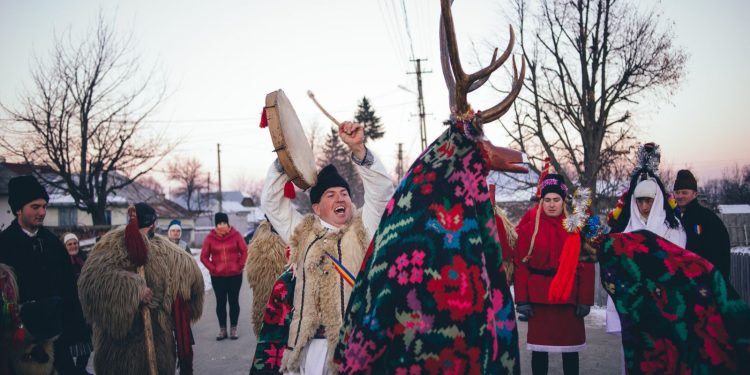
x: 243, y: 214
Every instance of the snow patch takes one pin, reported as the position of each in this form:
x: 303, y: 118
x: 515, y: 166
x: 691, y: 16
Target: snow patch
x: 741, y: 250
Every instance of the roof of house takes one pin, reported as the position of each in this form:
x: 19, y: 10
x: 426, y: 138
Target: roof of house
x: 734, y: 209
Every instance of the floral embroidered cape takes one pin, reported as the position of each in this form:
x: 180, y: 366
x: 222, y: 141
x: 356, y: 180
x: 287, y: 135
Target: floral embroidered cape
x: 275, y: 330
x: 431, y: 297
x: 677, y: 312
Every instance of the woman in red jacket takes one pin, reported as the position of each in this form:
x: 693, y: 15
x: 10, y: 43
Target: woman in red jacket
x: 554, y: 327
x: 224, y: 253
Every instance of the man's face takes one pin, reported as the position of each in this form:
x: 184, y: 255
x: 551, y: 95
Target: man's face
x: 685, y: 196
x: 644, y: 205
x: 335, y: 207
x: 175, y: 234
x: 552, y: 203
x: 31, y: 215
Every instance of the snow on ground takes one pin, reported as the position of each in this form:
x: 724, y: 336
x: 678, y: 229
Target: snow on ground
x: 204, y: 270
x: 597, y: 317
x: 741, y: 250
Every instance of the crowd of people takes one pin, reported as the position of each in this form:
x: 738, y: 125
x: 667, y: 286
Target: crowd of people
x: 323, y: 298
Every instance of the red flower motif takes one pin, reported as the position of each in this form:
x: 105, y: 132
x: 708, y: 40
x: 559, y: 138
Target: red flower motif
x: 458, y: 289
x: 417, y: 257
x: 662, y: 359
x: 274, y: 356
x: 277, y: 309
x: 452, y: 220
x: 447, y: 150
x: 691, y: 264
x: 426, y: 189
x: 628, y: 244
x: 662, y: 301
x: 431, y: 176
x: 716, y: 345
x: 455, y: 360
x: 418, y: 168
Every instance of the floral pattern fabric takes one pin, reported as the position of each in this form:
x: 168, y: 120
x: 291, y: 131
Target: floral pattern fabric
x: 272, y: 339
x: 432, y: 297
x: 678, y: 314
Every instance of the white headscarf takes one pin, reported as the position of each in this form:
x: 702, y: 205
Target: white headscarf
x: 656, y: 221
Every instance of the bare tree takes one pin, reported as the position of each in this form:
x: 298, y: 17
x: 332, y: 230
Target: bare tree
x: 192, y: 181
x: 590, y: 63
x: 149, y: 182
x: 83, y: 120
x: 249, y: 186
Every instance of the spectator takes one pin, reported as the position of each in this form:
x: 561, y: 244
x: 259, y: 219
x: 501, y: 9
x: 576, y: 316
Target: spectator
x: 174, y: 232
x: 79, y: 340
x: 224, y: 254
x: 706, y: 234
x: 39, y: 259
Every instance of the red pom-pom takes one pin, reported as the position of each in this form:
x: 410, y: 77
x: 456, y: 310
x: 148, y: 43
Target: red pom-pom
x: 137, y: 251
x: 289, y: 190
x: 562, y: 284
x: 263, y: 119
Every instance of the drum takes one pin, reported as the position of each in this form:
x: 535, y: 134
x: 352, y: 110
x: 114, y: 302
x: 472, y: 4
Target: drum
x: 289, y: 141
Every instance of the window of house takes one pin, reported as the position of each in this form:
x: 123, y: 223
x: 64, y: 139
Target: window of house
x: 68, y: 216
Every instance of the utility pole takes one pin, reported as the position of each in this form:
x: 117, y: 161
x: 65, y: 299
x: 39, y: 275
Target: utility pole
x: 420, y: 101
x: 400, y: 164
x: 221, y: 195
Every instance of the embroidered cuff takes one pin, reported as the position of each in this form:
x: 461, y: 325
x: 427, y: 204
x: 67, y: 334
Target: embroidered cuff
x: 368, y: 160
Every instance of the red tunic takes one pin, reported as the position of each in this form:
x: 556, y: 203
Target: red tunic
x: 554, y: 326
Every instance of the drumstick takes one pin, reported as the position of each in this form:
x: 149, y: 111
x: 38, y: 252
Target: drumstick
x: 312, y: 96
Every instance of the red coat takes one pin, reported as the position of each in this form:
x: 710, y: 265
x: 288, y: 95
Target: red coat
x: 532, y: 279
x: 224, y: 255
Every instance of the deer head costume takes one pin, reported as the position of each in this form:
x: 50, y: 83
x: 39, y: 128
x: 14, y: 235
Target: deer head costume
x: 431, y: 295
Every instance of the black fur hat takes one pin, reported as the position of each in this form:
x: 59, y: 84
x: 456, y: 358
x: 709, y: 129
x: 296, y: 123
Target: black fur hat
x: 328, y: 177
x: 24, y: 189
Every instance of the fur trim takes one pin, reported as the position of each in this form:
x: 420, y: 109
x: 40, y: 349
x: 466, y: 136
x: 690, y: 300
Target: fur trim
x: 265, y: 263
x: 319, y: 285
x: 109, y: 290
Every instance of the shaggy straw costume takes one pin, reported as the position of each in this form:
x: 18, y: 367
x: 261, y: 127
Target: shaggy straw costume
x: 110, y: 288
x: 265, y: 263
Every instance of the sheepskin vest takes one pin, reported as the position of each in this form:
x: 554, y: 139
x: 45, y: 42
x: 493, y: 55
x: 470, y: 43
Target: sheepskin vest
x: 266, y: 257
x: 320, y: 294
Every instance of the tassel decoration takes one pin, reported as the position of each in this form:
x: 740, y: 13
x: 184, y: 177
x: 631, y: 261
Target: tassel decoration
x: 289, y: 190
x: 263, y: 119
x: 562, y: 284
x: 137, y: 251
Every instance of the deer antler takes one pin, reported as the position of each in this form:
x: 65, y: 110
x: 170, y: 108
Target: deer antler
x: 460, y: 84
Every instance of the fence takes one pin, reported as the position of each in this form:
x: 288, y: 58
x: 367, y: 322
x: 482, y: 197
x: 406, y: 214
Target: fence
x: 740, y: 273
x: 739, y: 235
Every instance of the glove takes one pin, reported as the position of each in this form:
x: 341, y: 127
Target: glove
x: 525, y: 310
x: 582, y: 310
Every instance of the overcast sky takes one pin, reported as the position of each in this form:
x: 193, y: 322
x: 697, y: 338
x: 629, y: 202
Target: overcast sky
x: 220, y: 58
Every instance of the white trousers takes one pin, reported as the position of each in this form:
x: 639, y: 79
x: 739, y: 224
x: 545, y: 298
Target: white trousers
x: 313, y: 359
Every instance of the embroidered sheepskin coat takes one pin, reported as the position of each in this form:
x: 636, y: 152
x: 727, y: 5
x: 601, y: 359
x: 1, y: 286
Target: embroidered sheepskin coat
x: 320, y: 294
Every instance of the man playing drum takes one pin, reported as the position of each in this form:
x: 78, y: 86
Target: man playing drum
x: 327, y: 249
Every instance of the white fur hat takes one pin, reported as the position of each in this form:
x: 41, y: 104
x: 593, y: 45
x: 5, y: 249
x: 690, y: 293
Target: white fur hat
x: 646, y: 189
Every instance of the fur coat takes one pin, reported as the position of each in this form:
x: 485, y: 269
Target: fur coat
x: 320, y: 294
x: 109, y: 289
x: 265, y: 263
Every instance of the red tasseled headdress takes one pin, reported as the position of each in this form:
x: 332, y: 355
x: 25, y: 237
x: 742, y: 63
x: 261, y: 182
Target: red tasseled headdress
x: 137, y: 249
